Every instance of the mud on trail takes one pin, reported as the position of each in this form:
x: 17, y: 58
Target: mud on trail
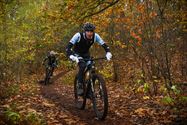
x: 67, y: 113
x: 124, y: 108
x: 55, y: 103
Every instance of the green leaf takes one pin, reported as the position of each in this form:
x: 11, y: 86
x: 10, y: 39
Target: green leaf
x: 14, y: 117
x: 167, y: 100
x: 183, y: 99
x: 146, y: 87
x: 176, y: 91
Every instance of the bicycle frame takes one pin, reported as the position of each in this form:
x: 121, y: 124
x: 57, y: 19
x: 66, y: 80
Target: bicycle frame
x: 90, y: 70
x: 90, y: 92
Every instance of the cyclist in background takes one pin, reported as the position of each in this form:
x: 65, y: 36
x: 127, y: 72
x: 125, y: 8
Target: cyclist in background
x: 51, y: 61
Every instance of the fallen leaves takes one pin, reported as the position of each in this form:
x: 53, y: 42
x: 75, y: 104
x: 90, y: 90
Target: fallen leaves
x: 142, y: 111
x: 146, y: 97
x: 31, y: 110
x: 47, y: 104
x: 54, y: 103
x: 5, y: 106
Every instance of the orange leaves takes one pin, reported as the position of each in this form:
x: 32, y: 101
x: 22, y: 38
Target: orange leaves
x: 139, y: 43
x: 142, y: 111
x: 141, y: 8
x: 139, y: 38
x: 139, y: 31
x: 128, y: 20
x: 152, y: 14
x: 133, y: 34
x: 158, y: 33
x: 131, y: 41
x: 136, y: 37
x: 120, y: 44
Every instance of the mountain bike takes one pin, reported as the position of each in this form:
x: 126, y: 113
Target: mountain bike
x: 94, y: 88
x: 49, y: 71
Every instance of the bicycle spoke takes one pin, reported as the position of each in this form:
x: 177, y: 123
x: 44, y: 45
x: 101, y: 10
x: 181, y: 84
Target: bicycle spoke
x: 99, y: 96
x: 100, y: 100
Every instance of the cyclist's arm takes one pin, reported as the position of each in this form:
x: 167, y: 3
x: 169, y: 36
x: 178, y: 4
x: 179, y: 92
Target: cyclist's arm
x: 56, y: 61
x: 100, y: 41
x: 44, y: 60
x: 74, y: 39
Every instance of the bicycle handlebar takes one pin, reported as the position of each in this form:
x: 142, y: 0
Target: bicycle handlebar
x: 94, y: 59
x: 99, y: 58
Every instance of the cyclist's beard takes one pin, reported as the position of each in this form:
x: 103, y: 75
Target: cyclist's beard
x: 89, y: 36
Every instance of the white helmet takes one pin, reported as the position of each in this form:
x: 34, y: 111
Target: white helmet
x: 52, y: 53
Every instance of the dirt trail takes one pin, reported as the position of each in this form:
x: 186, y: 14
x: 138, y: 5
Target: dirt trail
x: 62, y: 96
x: 55, y: 103
x: 124, y: 108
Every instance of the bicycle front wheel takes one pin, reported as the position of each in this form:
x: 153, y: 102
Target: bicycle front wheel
x: 100, y: 97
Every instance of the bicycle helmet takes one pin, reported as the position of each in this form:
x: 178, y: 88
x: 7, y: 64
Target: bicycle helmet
x: 88, y: 27
x: 52, y: 53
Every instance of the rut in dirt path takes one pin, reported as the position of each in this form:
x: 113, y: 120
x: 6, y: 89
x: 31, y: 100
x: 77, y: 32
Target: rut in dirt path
x: 62, y: 96
x: 125, y: 106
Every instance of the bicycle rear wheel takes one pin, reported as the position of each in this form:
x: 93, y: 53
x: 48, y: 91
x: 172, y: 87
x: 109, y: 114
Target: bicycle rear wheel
x: 80, y: 101
x: 48, y: 74
x: 100, y: 97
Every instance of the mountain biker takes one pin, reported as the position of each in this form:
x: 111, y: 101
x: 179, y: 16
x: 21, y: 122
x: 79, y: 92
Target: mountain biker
x: 51, y: 61
x: 79, y: 46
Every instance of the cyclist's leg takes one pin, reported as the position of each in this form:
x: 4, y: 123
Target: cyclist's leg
x: 46, y: 75
x: 82, y: 66
x: 52, y: 70
x: 46, y: 70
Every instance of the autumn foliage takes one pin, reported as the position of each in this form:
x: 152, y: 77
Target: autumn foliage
x: 147, y: 39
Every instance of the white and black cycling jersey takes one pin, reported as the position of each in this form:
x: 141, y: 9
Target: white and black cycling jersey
x: 81, y: 44
x: 77, y: 37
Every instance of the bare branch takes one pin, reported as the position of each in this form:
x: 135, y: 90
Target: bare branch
x: 161, y: 9
x: 101, y: 10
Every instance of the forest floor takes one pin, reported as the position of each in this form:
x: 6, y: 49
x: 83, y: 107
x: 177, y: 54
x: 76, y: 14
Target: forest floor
x: 55, y: 104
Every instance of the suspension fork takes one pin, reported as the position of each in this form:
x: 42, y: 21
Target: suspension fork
x: 91, y: 81
x: 91, y: 85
